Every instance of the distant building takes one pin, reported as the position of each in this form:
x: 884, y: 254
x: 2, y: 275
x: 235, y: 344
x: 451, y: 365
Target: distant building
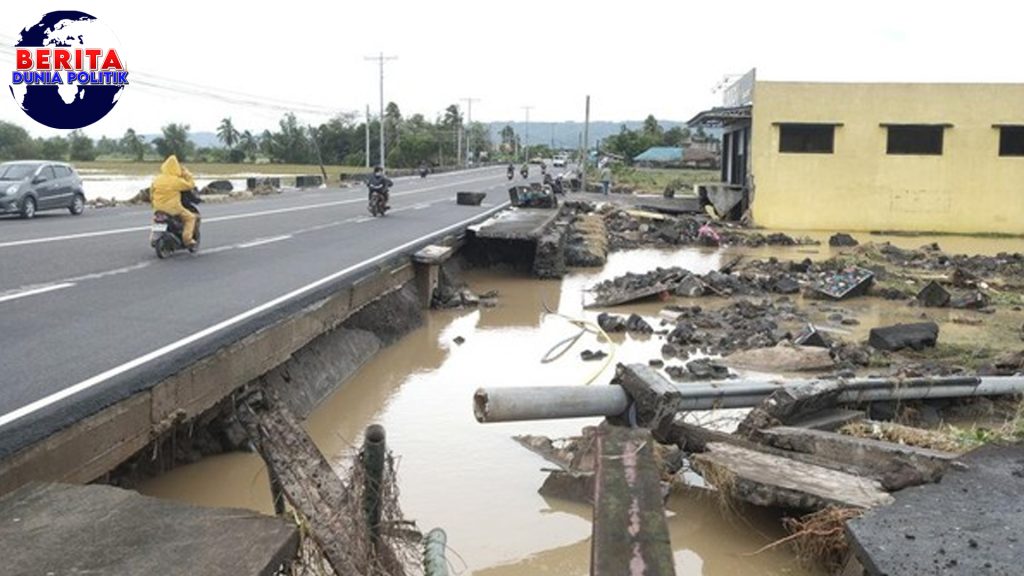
x: 864, y: 156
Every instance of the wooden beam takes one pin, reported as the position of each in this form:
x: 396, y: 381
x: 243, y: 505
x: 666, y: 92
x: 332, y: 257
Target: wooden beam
x: 630, y: 533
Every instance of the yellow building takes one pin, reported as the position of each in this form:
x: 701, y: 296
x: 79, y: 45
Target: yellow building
x: 866, y: 157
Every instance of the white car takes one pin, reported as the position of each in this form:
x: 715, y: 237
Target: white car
x: 559, y: 161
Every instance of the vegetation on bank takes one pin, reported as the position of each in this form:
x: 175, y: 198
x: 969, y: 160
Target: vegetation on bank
x: 656, y: 180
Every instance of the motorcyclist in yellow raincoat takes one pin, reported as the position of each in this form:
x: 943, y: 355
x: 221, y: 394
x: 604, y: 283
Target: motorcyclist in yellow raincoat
x: 165, y: 195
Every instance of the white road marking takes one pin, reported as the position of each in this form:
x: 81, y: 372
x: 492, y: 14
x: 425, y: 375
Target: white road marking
x: 98, y: 233
x: 263, y: 241
x: 33, y: 292
x: 163, y: 351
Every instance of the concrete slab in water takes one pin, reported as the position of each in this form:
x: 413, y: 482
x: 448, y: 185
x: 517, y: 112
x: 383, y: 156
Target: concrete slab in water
x: 517, y: 224
x: 972, y: 522
x: 70, y: 529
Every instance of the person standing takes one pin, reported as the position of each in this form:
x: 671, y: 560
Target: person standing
x: 606, y: 179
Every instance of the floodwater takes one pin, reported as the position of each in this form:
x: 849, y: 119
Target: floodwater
x: 98, y: 184
x: 478, y: 484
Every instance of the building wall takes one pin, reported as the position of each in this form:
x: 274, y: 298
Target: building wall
x: 969, y: 188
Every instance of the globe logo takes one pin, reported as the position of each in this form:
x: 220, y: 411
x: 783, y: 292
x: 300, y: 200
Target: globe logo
x: 69, y: 72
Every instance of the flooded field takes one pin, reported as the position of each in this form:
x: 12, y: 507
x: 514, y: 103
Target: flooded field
x: 99, y: 184
x: 477, y: 483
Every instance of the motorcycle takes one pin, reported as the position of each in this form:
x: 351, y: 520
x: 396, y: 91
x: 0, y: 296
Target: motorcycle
x: 423, y: 172
x: 524, y: 172
x: 378, y: 203
x: 511, y: 172
x: 165, y: 234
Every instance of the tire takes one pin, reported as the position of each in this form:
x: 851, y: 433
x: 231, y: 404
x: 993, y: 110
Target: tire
x: 164, y: 246
x: 28, y: 208
x: 77, y: 205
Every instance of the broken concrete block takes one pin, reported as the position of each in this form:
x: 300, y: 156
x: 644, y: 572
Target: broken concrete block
x: 839, y: 240
x: 915, y: 336
x: 707, y: 369
x: 469, y: 198
x: 846, y: 284
x: 636, y: 324
x: 810, y: 336
x: 611, y: 323
x: 571, y: 486
x: 591, y: 355
x: 690, y: 287
x: 974, y: 300
x: 785, y: 285
x: 933, y: 295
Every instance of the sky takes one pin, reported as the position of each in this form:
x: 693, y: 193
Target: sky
x: 633, y: 58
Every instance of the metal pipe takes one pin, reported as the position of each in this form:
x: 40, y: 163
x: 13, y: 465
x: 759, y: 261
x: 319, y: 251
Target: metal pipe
x: 554, y: 402
x: 434, y: 561
x: 548, y: 402
x: 372, y: 459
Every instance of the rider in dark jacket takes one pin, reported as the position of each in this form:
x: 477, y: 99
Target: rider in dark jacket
x: 379, y: 182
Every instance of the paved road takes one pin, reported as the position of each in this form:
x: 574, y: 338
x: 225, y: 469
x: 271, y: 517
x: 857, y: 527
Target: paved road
x: 89, y: 315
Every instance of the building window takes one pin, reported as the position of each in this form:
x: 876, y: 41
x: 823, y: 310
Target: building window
x: 807, y: 138
x: 920, y: 140
x: 1011, y: 140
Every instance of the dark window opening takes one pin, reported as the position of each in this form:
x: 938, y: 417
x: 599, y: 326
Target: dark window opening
x: 917, y: 140
x: 1011, y: 141
x: 807, y: 138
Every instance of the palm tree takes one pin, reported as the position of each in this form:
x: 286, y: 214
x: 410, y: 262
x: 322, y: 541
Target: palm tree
x: 249, y: 145
x: 227, y: 134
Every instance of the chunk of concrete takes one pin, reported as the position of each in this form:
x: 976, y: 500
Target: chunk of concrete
x: 933, y: 295
x: 897, y: 337
x: 775, y: 481
x: 71, y: 529
x: 842, y: 240
x: 469, y: 198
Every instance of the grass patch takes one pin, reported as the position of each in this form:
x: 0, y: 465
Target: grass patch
x: 655, y: 180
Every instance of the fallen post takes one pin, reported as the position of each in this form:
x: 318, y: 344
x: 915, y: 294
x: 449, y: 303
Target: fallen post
x: 372, y: 460
x: 309, y: 483
x: 556, y: 402
x: 630, y: 533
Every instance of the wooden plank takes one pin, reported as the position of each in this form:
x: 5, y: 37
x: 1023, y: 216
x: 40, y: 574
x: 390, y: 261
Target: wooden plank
x: 775, y: 481
x: 309, y: 483
x: 895, y: 465
x: 630, y: 533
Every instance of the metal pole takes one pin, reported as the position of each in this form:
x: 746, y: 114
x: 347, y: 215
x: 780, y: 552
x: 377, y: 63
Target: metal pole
x: 458, y: 137
x: 381, y: 59
x: 469, y: 122
x: 367, y: 135
x: 554, y: 402
x: 586, y: 144
x: 372, y: 458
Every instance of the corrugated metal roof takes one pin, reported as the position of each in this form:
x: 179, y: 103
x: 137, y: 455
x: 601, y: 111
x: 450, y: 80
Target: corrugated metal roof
x: 660, y: 154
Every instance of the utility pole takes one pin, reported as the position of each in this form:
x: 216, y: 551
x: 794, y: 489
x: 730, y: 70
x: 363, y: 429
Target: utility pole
x: 458, y: 137
x: 367, y: 135
x: 381, y: 59
x: 586, y: 143
x: 526, y: 142
x: 469, y: 122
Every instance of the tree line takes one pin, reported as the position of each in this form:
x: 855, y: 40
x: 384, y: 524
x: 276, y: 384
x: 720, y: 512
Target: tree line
x: 631, y: 143
x: 410, y: 141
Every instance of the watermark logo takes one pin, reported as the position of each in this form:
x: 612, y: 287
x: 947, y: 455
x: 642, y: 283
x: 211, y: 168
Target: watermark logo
x: 68, y: 71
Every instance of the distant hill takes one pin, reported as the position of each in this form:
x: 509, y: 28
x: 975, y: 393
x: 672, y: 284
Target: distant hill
x: 567, y: 134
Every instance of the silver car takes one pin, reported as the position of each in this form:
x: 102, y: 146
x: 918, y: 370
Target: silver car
x: 31, y: 185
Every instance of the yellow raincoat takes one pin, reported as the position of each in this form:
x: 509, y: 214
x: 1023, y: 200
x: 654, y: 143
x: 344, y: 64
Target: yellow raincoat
x: 165, y: 194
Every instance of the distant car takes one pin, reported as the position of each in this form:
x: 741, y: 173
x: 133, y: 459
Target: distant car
x: 29, y: 186
x: 560, y: 161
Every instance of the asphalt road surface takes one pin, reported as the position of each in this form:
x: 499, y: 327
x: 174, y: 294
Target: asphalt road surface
x: 89, y: 315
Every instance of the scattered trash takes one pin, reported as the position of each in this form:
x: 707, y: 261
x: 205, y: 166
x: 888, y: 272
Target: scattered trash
x: 590, y: 355
x: 459, y: 340
x: 845, y: 284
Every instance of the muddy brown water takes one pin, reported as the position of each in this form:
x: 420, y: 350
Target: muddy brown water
x: 473, y: 480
